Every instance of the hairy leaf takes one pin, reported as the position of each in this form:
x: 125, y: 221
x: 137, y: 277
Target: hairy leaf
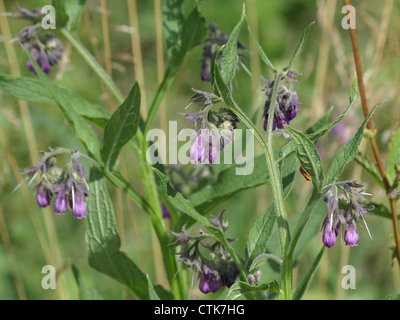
x: 85, y: 292
x: 353, y: 96
x: 348, y: 152
x: 121, y: 128
x: 31, y: 89
x: 302, y: 287
x: 300, y: 47
x: 230, y: 58
x: 68, y: 13
x: 103, y: 242
x: 241, y: 288
x: 308, y: 156
x: 173, y: 21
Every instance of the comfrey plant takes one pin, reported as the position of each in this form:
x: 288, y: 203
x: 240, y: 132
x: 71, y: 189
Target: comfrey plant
x: 215, y: 268
x: 344, y: 212
x: 67, y: 187
x: 216, y: 128
x: 215, y: 261
x: 44, y: 47
x: 287, y: 101
x: 214, y: 41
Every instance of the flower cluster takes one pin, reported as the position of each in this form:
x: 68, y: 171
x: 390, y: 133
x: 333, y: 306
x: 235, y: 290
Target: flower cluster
x: 346, y: 208
x: 69, y: 187
x: 214, y: 265
x: 216, y: 128
x: 214, y: 41
x: 287, y: 101
x: 44, y: 48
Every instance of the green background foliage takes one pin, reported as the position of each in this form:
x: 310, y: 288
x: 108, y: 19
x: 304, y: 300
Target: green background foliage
x: 32, y: 238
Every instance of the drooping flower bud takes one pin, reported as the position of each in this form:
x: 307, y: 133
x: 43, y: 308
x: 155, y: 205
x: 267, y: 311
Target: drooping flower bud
x: 61, y: 203
x: 79, y: 208
x: 328, y: 237
x: 43, y: 196
x: 345, y: 209
x: 351, y: 236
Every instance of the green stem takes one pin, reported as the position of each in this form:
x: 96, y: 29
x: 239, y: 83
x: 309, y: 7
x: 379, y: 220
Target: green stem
x: 276, y: 183
x: 151, y: 205
x: 87, y: 56
x: 277, y: 190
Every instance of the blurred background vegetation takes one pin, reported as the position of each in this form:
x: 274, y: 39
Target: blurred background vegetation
x: 32, y: 237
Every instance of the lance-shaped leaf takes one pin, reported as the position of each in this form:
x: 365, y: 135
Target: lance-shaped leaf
x: 308, y: 156
x: 242, y: 288
x: 192, y: 32
x: 103, y: 242
x: 301, y: 289
x: 353, y: 97
x: 31, y: 89
x: 121, y: 128
x: 230, y: 58
x: 68, y: 13
x: 173, y: 20
x: 260, y: 50
x: 348, y: 152
x: 300, y: 47
x: 263, y: 227
x: 85, y: 292
x: 177, y: 200
x: 371, y: 168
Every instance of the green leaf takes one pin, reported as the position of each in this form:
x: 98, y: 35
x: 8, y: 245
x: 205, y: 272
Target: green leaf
x: 173, y: 21
x: 301, y: 289
x: 241, y: 288
x: 31, y: 89
x: 394, y: 156
x: 348, y: 152
x: 308, y: 156
x: 152, y: 293
x: 371, y: 168
x: 177, y: 200
x: 230, y: 58
x: 85, y: 292
x: 300, y: 47
x: 353, y: 96
x: 121, y: 128
x: 229, y: 183
x: 260, y: 234
x: 103, y: 242
x: 68, y: 13
x: 192, y: 32
x: 304, y: 225
x: 260, y: 50
x: 78, y: 125
x: 261, y: 231
x: 382, y: 211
